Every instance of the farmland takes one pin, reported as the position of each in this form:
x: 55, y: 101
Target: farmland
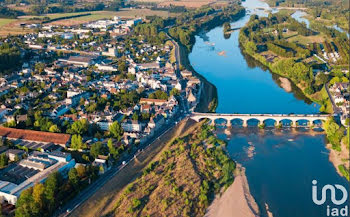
x: 12, y: 26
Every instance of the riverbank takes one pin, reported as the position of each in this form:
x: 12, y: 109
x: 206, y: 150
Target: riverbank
x: 236, y: 201
x: 339, y: 159
x: 209, y: 97
x: 208, y: 100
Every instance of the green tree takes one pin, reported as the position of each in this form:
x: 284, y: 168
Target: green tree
x: 81, y: 170
x: 52, y: 184
x: 54, y: 129
x: 80, y: 127
x: 3, y: 160
x: 116, y: 130
x: 174, y: 92
x: 73, y: 176
x: 158, y: 94
x: 39, y: 195
x: 135, y: 116
x: 96, y: 149
x: 25, y: 206
x: 77, y: 142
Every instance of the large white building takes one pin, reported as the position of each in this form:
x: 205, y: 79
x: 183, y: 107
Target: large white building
x: 34, y: 169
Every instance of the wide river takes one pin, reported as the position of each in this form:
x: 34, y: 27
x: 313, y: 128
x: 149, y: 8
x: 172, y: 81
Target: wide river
x: 280, y: 164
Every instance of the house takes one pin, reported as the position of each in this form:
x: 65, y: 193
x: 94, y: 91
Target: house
x: 101, y: 164
x: 149, y: 101
x: 112, y: 52
x: 15, y: 154
x: 132, y: 126
x: 156, y: 122
x: 80, y: 60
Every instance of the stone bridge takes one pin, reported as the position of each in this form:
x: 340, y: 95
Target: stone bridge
x: 261, y: 118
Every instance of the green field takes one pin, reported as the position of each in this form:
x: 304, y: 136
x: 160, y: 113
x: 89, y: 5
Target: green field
x: 4, y: 21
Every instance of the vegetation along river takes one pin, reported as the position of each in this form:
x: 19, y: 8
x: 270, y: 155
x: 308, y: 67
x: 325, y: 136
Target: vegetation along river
x: 280, y: 164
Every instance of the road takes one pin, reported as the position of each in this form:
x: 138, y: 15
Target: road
x: 336, y: 109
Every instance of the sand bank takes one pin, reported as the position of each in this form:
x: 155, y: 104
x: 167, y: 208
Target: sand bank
x: 236, y: 201
x: 285, y: 84
x: 338, y: 158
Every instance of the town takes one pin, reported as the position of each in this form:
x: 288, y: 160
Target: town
x: 91, y: 92
x: 171, y: 108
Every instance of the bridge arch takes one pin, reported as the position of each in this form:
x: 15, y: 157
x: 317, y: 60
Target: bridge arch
x: 270, y: 122
x: 303, y: 122
x: 237, y: 121
x: 287, y: 122
x: 221, y: 121
x: 252, y: 122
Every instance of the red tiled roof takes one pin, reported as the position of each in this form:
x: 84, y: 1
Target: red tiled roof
x: 152, y: 100
x: 32, y: 135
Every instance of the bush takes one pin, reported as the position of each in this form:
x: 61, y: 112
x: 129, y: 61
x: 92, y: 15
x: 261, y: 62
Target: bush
x: 344, y: 171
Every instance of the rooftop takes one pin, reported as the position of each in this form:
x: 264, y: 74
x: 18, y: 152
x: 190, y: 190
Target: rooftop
x: 32, y: 135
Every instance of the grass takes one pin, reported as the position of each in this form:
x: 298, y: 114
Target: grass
x: 307, y: 39
x: 4, y: 21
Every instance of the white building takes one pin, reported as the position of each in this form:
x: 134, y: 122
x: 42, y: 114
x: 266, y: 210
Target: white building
x: 35, y: 169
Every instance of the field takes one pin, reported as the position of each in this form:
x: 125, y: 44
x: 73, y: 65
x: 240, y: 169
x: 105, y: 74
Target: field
x: 186, y: 3
x: 307, y: 39
x: 4, y: 21
x: 12, y: 26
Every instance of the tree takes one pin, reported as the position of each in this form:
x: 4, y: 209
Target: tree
x: 96, y: 149
x: 73, y: 176
x: 52, y: 184
x: 158, y: 94
x: 135, y: 116
x: 25, y: 206
x: 174, y: 92
x: 227, y: 27
x: 115, y: 130
x: 3, y: 160
x: 80, y: 127
x: 322, y: 79
x: 112, y: 150
x: 39, y: 195
x: 54, y: 129
x: 81, y: 170
x: 77, y: 142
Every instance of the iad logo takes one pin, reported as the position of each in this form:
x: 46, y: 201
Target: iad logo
x: 335, y: 211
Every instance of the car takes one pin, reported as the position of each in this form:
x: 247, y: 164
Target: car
x: 68, y: 210
x: 124, y: 162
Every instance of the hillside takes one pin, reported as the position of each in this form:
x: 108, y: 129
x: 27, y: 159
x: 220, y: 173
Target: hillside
x: 182, y: 182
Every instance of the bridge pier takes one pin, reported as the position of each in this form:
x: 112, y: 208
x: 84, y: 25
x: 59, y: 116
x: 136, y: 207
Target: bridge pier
x: 212, y: 123
x: 228, y: 124
x: 294, y: 124
x: 277, y: 123
x: 245, y: 123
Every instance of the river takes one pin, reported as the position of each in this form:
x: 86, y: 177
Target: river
x: 280, y: 164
